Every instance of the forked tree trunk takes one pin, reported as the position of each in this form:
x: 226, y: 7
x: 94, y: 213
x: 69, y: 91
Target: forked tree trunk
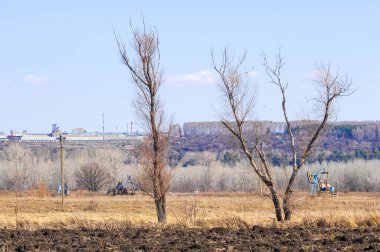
x: 161, y: 209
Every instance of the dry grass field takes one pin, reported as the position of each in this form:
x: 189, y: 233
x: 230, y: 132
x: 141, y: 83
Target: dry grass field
x: 33, y: 210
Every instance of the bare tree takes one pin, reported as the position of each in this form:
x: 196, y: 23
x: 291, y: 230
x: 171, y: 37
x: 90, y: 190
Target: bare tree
x: 112, y: 159
x: 208, y: 160
x: 331, y: 85
x: 145, y: 70
x: 234, y: 89
x: 93, y: 177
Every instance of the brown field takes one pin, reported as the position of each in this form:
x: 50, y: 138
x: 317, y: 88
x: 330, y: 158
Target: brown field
x: 31, y: 210
x: 33, y: 221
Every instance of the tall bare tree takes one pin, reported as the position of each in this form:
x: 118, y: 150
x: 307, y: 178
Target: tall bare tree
x: 20, y: 160
x: 234, y: 88
x: 143, y: 62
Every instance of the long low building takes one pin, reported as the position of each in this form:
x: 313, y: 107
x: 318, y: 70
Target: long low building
x: 37, y: 138
x: 85, y: 137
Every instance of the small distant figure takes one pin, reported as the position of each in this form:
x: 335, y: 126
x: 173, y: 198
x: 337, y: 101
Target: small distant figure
x: 66, y: 190
x: 119, y: 187
x: 196, y: 192
x: 130, y: 179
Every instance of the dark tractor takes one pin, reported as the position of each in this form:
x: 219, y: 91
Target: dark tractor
x: 120, y: 189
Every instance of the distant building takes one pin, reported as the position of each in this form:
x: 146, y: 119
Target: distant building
x: 83, y: 137
x: 14, y: 137
x: 77, y: 135
x: 78, y: 131
x: 3, y: 137
x: 37, y: 138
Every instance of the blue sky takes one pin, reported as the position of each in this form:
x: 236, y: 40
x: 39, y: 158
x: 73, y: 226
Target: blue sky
x: 59, y: 62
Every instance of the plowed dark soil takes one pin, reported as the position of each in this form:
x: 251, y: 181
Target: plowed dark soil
x: 176, y: 239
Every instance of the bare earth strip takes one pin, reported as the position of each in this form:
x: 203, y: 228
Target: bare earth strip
x: 179, y: 239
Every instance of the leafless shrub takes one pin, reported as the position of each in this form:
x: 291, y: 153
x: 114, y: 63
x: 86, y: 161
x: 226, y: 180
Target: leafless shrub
x: 190, y: 213
x: 93, y: 177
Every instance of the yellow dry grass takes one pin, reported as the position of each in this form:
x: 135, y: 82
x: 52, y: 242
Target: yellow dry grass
x: 29, y: 210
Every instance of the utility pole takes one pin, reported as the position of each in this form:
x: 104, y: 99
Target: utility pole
x: 103, y: 126
x: 260, y: 180
x: 62, y: 174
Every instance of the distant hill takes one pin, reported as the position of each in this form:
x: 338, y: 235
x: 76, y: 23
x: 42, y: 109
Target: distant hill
x: 341, y: 141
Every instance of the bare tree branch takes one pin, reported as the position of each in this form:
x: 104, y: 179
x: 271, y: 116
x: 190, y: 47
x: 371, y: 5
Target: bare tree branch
x: 274, y: 74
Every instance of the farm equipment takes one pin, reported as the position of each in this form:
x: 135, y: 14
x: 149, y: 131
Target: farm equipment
x: 120, y: 189
x: 319, y: 183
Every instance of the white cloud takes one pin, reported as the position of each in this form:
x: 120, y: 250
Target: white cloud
x: 5, y: 81
x: 199, y: 78
x: 253, y: 74
x: 35, y: 79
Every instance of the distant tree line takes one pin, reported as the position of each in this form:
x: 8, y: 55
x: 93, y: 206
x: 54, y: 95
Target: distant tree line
x: 368, y: 130
x: 95, y: 169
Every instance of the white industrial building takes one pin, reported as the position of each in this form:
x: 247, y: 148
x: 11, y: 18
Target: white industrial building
x: 37, y: 138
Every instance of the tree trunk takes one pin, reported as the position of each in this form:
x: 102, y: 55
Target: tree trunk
x: 277, y: 205
x: 287, y: 196
x: 161, y: 209
x: 286, y: 206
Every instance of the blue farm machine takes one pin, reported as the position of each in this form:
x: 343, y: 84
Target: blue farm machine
x: 120, y: 189
x: 319, y: 183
